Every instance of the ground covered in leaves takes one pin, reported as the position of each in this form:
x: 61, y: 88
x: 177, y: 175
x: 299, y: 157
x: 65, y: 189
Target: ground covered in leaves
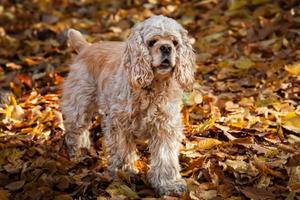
x: 242, y: 118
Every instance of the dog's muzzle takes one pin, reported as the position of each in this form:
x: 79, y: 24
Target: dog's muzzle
x: 165, y: 66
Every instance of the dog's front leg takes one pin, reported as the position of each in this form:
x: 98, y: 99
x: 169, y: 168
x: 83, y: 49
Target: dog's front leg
x: 164, y: 174
x: 121, y: 148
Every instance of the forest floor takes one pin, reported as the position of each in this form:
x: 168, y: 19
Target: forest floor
x: 242, y: 119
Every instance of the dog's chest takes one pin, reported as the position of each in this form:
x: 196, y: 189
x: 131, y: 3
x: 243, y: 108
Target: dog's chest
x: 152, y: 116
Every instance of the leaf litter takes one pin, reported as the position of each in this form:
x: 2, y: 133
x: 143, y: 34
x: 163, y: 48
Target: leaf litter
x: 242, y: 118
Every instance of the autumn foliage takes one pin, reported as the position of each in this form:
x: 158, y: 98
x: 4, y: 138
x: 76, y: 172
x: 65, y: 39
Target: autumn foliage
x: 242, y: 118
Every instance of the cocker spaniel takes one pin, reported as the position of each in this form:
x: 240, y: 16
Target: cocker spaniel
x: 138, y: 86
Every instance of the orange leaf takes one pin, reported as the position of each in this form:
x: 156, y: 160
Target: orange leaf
x: 25, y: 80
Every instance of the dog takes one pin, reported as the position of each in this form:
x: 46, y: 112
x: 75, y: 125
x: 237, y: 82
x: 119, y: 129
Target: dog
x: 138, y: 86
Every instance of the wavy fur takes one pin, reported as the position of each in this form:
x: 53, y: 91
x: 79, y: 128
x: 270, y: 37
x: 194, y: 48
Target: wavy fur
x: 122, y: 79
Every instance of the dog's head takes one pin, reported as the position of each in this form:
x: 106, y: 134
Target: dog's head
x: 159, y: 47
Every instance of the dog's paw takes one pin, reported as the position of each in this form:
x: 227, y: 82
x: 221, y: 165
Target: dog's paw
x: 172, y: 188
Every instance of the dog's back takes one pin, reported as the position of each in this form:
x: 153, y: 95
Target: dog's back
x: 101, y: 59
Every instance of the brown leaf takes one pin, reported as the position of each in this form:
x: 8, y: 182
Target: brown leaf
x: 225, y: 190
x: 266, y: 169
x: 257, y: 193
x: 118, y: 189
x: 4, y: 194
x: 63, y: 197
x: 195, y: 165
x: 242, y: 167
x: 14, y: 186
x: 63, y: 183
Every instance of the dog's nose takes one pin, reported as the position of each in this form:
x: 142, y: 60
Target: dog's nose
x: 165, y: 49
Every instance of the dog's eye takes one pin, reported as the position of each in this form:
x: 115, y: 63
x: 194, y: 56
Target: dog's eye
x: 175, y: 43
x: 151, y: 43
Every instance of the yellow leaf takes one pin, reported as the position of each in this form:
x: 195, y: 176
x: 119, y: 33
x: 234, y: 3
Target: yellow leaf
x: 244, y: 63
x: 47, y: 115
x: 12, y: 100
x: 206, y: 124
x: 38, y: 130
x: 208, y: 143
x: 293, y: 69
x: 225, y: 63
x: 291, y: 121
x: 236, y: 120
x: 8, y: 112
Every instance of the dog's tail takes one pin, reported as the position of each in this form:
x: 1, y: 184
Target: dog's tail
x: 76, y: 40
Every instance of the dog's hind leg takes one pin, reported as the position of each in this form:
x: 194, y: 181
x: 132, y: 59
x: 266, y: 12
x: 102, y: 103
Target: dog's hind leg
x: 78, y: 105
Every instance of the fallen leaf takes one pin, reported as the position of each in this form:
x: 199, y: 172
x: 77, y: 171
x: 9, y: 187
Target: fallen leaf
x: 266, y: 169
x: 257, y: 193
x: 14, y: 186
x: 13, y: 66
x: 204, y: 126
x: 237, y: 4
x: 242, y: 167
x: 25, y: 80
x: 208, y: 143
x: 203, y: 144
x: 293, y: 69
x: 4, y: 194
x: 291, y: 121
x: 118, y: 189
x: 63, y: 197
x: 205, y: 194
x: 193, y: 166
x: 244, y: 63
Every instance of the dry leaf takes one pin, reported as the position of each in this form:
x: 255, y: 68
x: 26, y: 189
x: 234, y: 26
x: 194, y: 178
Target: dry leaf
x: 4, y: 194
x: 293, y: 69
x: 118, y: 189
x: 14, y: 186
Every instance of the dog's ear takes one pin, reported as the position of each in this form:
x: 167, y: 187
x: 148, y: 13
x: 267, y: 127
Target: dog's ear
x: 184, y: 72
x: 76, y: 40
x: 137, y: 60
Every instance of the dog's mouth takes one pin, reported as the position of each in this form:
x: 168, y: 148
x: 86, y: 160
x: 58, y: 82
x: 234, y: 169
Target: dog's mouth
x: 165, y: 67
